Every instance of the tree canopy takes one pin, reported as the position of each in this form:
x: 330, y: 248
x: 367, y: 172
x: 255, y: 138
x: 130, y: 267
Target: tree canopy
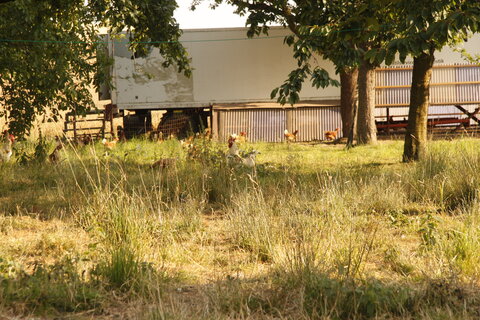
x: 51, y: 53
x: 422, y: 29
x: 260, y: 14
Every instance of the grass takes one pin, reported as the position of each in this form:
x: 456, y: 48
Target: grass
x: 314, y: 232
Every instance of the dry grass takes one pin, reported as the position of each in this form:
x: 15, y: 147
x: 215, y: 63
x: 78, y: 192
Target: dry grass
x: 315, y: 232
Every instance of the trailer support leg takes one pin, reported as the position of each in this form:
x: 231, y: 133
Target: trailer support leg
x: 471, y: 115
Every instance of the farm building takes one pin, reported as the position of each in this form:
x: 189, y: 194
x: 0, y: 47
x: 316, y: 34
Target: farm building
x: 233, y: 77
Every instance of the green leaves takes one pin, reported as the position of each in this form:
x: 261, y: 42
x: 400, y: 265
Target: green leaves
x: 289, y: 91
x: 375, y: 56
x: 53, y: 54
x: 390, y: 57
x: 321, y: 79
x: 435, y: 25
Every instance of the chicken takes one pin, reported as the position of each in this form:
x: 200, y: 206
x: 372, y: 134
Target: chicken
x: 109, y: 145
x: 207, y: 133
x: 10, y: 136
x: 87, y: 139
x: 54, y: 157
x: 6, y: 146
x: 249, y: 159
x: 187, y: 143
x: 233, y: 150
x: 242, y: 138
x: 331, y: 135
x: 290, y: 137
x: 193, y: 150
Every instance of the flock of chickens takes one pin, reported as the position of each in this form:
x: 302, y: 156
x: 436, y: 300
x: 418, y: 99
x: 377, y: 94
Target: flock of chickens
x: 329, y: 135
x: 233, y: 155
x: 249, y: 158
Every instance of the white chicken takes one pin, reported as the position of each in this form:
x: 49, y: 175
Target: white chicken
x: 249, y: 159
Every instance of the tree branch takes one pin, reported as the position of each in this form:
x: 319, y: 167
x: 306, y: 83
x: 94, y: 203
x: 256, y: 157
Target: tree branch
x: 257, y: 6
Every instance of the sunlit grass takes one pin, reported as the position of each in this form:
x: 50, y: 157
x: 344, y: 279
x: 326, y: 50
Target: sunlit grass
x: 315, y: 231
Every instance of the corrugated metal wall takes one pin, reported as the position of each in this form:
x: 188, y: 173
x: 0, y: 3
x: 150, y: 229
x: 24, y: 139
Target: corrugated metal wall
x: 267, y: 125
x: 260, y: 124
x: 270, y: 124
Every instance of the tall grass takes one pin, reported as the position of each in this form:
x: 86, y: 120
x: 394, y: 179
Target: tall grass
x: 314, y: 232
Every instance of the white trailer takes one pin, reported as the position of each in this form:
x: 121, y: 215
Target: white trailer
x: 227, y: 68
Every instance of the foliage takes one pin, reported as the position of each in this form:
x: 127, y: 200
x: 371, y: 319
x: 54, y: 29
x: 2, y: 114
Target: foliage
x: 420, y: 33
x: 57, y: 287
x: 340, y: 31
x: 437, y: 24
x: 51, y: 53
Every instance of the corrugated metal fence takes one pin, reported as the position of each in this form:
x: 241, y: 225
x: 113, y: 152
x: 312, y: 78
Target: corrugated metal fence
x: 311, y: 122
x: 269, y: 124
x: 435, y: 112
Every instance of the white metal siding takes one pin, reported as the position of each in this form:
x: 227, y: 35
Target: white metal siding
x: 259, y: 124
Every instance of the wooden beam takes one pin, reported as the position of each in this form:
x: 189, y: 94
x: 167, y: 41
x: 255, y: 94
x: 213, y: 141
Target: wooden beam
x: 83, y: 129
x: 431, y: 84
x: 431, y: 103
x: 446, y: 66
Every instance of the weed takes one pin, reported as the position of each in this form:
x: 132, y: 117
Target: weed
x: 50, y: 288
x: 428, y: 231
x: 396, y: 263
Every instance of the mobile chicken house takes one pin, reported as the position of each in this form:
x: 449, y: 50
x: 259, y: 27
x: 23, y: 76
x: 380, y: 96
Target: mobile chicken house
x: 233, y: 76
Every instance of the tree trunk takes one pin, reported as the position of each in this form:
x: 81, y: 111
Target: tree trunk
x: 366, y: 129
x: 348, y: 97
x: 416, y: 136
x: 351, y: 133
